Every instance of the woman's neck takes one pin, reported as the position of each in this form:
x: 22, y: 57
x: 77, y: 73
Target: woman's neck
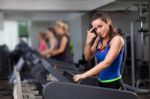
x: 105, y: 39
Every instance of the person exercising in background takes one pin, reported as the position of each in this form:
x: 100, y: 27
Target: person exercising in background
x: 108, y: 49
x: 51, y: 41
x: 42, y: 46
x: 62, y: 51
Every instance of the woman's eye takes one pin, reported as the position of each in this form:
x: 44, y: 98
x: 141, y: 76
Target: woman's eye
x: 99, y: 26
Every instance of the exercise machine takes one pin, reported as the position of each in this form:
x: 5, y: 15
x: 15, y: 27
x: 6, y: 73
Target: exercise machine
x: 137, y: 80
x: 57, y: 85
x: 63, y: 66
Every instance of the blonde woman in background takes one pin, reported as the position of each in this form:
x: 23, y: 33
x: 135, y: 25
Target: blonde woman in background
x: 63, y: 50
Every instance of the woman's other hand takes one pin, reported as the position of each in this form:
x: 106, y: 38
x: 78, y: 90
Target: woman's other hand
x: 90, y: 36
x: 79, y: 77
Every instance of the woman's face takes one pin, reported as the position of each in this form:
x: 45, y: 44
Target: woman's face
x: 101, y: 27
x: 39, y: 36
x: 58, y: 30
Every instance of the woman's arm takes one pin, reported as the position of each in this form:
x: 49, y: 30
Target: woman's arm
x: 62, y: 47
x: 53, y: 44
x: 94, y: 46
x: 89, y: 50
x: 115, y: 46
x: 49, y: 50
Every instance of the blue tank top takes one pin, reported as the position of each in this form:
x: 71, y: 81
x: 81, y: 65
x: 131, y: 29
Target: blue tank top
x: 112, y: 72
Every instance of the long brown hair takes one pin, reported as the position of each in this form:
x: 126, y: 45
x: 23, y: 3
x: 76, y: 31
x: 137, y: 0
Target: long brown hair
x: 105, y: 18
x: 52, y: 30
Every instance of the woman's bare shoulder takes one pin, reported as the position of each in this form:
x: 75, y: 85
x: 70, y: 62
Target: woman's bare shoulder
x: 117, y: 39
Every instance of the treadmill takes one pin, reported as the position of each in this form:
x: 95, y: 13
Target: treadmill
x: 61, y: 85
x: 63, y: 66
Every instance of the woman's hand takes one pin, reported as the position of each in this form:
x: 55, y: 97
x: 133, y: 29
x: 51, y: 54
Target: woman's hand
x: 79, y: 77
x: 90, y: 36
x: 46, y: 53
x: 43, y: 53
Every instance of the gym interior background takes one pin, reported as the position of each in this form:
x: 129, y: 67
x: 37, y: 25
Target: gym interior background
x: 23, y: 19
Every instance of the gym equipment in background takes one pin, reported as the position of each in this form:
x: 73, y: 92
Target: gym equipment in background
x: 5, y: 68
x: 59, y: 65
x: 140, y: 79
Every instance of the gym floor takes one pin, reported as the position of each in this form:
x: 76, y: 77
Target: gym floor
x: 7, y: 92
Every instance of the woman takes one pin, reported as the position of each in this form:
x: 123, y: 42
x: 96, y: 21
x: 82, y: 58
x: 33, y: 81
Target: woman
x: 62, y: 51
x: 52, y: 42
x: 42, y: 42
x: 108, y: 49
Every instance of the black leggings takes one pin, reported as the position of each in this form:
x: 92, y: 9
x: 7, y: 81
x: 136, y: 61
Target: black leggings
x: 114, y: 85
